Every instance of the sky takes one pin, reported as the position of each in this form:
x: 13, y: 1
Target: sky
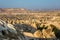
x: 30, y: 4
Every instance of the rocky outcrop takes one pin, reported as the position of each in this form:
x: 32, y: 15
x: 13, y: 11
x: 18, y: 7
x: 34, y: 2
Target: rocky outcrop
x: 21, y: 31
x: 7, y: 30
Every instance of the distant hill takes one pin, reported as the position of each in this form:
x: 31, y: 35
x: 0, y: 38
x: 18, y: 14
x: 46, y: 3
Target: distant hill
x: 22, y: 10
x: 14, y: 10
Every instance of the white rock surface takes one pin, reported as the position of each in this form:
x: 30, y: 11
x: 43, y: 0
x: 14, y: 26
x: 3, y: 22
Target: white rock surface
x: 6, y: 29
x: 11, y: 28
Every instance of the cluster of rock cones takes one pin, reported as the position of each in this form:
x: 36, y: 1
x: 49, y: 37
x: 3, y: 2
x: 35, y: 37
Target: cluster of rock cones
x: 23, y: 32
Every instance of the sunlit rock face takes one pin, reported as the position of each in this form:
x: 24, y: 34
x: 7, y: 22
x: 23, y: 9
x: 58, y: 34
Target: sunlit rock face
x: 48, y: 33
x: 38, y: 34
x: 28, y: 34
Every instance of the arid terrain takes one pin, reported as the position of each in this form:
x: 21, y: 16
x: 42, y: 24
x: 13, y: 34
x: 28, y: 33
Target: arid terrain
x: 33, y: 24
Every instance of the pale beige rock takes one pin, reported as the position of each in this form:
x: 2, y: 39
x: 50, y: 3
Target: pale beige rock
x: 48, y: 33
x: 34, y: 25
x: 56, y: 25
x: 17, y: 21
x: 28, y: 34
x: 38, y: 34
